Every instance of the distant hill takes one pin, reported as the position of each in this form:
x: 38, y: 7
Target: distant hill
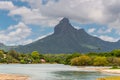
x: 67, y: 39
x: 6, y: 48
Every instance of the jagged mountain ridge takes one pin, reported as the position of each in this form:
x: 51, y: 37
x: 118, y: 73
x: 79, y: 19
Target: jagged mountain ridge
x: 67, y: 39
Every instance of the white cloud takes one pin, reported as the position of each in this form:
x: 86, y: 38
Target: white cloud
x: 15, y: 34
x: 29, y: 15
x: 116, y: 25
x: 25, y: 42
x: 41, y: 37
x: 84, y: 11
x: 77, y: 27
x: 108, y: 38
x: 33, y: 16
x: 104, y: 31
x: 6, y: 5
x: 91, y: 30
x: 80, y: 10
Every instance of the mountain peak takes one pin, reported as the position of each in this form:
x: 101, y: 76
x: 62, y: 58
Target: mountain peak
x: 64, y: 20
x: 63, y: 26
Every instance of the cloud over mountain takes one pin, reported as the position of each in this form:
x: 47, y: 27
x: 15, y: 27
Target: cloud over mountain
x: 102, y: 11
x: 47, y: 13
x: 15, y: 34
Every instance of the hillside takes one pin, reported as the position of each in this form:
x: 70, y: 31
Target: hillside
x: 67, y: 39
x: 6, y: 48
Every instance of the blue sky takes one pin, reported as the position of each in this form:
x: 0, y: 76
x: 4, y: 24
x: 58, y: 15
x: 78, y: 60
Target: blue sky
x: 25, y: 21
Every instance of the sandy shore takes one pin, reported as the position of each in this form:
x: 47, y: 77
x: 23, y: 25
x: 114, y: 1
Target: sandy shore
x: 92, y: 68
x: 13, y: 77
x: 101, y: 69
x: 113, y: 71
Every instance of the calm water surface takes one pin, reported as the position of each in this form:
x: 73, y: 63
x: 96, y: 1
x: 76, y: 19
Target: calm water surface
x: 50, y: 72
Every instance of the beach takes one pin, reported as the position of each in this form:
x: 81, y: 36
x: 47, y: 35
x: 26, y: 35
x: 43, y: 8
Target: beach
x: 113, y: 71
x: 101, y: 69
x: 13, y: 77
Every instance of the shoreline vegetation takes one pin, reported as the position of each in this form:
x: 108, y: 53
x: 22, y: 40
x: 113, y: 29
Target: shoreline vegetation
x: 74, y: 59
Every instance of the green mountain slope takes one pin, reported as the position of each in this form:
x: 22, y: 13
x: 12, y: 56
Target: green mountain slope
x: 6, y: 48
x: 67, y: 39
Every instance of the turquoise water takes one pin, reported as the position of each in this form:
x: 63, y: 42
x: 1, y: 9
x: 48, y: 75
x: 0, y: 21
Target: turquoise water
x: 50, y: 72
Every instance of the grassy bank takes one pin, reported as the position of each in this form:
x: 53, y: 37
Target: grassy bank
x: 110, y: 78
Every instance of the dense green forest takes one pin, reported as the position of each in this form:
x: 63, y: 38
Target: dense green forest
x: 78, y: 59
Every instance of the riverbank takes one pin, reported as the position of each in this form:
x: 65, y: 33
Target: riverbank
x: 13, y: 77
x: 93, y: 68
x: 113, y: 71
x: 101, y: 69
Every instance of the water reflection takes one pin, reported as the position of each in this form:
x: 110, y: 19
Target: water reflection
x: 78, y: 75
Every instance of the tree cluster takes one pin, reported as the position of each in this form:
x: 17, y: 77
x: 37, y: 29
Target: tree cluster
x: 77, y: 59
